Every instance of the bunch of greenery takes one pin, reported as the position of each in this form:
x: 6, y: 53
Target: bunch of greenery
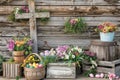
x: 45, y: 19
x: 75, y: 25
x: 2, y: 59
x: 25, y: 9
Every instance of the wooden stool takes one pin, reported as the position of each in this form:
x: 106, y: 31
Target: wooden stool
x: 106, y: 51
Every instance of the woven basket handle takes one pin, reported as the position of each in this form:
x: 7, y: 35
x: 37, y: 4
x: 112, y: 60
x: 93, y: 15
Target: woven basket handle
x: 35, y: 55
x: 40, y: 58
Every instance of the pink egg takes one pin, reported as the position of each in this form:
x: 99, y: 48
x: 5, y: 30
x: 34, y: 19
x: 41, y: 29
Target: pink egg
x: 40, y: 65
x: 101, y: 75
x: 91, y: 75
x: 97, y: 76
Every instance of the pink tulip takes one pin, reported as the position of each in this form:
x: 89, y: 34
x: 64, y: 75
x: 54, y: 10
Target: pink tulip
x: 111, y: 76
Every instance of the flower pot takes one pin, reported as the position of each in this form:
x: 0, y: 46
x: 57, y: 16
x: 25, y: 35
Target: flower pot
x: 18, y: 56
x: 107, y: 37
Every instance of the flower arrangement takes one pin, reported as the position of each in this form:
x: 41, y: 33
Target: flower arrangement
x: 20, y: 44
x: 32, y: 62
x: 72, y: 54
x: 106, y: 27
x: 75, y: 25
x: 24, y: 9
x: 21, y: 10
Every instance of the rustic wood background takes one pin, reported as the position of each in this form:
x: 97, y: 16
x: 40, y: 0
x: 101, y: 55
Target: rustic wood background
x: 94, y: 12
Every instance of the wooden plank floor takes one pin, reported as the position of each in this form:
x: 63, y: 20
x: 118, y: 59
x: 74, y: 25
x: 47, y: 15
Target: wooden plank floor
x: 80, y: 78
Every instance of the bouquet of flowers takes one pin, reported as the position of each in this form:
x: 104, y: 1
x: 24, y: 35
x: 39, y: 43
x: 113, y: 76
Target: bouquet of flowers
x: 75, y: 25
x: 20, y: 44
x: 69, y: 54
x: 106, y: 27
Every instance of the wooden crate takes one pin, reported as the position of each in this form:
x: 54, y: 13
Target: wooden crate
x: 62, y: 70
x: 105, y: 67
x: 11, y: 69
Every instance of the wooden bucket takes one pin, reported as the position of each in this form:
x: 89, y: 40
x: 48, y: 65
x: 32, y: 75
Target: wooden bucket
x: 34, y: 73
x: 18, y: 56
x: 106, y: 51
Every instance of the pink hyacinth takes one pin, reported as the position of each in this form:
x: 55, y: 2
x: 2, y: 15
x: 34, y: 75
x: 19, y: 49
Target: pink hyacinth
x: 61, y: 49
x: 90, y: 53
x: 11, y: 45
x: 73, y: 21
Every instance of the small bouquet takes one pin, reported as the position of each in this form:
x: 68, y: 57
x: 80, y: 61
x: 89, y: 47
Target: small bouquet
x: 17, y: 10
x: 106, y: 27
x: 20, y: 44
x: 75, y: 25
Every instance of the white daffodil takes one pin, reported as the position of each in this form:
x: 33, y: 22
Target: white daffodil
x: 73, y: 56
x: 66, y: 56
x: 80, y: 50
x: 52, y: 52
x: 17, y: 10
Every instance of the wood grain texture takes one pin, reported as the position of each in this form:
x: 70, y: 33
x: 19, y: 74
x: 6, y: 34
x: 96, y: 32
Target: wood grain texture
x: 106, y: 66
x: 60, y: 11
x: 11, y: 70
x: 62, y: 71
x: 106, y: 51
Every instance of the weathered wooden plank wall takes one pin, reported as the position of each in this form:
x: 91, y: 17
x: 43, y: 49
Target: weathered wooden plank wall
x: 53, y: 31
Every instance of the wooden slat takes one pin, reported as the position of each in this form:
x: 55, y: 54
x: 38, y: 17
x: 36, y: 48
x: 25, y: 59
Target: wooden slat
x: 28, y: 15
x: 64, y: 2
x: 69, y: 9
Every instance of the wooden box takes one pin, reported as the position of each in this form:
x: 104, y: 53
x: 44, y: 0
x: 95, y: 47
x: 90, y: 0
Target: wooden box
x: 62, y: 70
x: 11, y: 69
x: 105, y: 51
x: 105, y: 67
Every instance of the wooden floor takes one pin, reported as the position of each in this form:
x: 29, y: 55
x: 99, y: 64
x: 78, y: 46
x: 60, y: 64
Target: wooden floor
x: 80, y: 78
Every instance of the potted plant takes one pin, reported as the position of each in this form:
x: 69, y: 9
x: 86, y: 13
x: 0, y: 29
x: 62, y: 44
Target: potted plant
x: 107, y: 31
x: 75, y: 25
x: 20, y: 47
x: 70, y: 58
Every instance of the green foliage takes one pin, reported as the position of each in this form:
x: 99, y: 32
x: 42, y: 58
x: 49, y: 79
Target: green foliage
x: 2, y: 59
x: 11, y: 60
x: 48, y: 59
x: 45, y: 19
x: 76, y: 25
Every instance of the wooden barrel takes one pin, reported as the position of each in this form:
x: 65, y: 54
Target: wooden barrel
x: 18, y: 56
x: 34, y: 73
x: 106, y: 51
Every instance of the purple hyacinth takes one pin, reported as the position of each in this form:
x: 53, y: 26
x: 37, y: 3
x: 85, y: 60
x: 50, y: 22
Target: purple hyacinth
x: 30, y: 42
x: 11, y: 45
x: 92, y: 54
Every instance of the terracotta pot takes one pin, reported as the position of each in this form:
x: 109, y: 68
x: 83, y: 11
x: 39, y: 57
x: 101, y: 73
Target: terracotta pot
x: 18, y: 56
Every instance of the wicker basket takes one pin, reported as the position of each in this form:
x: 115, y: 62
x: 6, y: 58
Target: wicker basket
x: 34, y: 73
